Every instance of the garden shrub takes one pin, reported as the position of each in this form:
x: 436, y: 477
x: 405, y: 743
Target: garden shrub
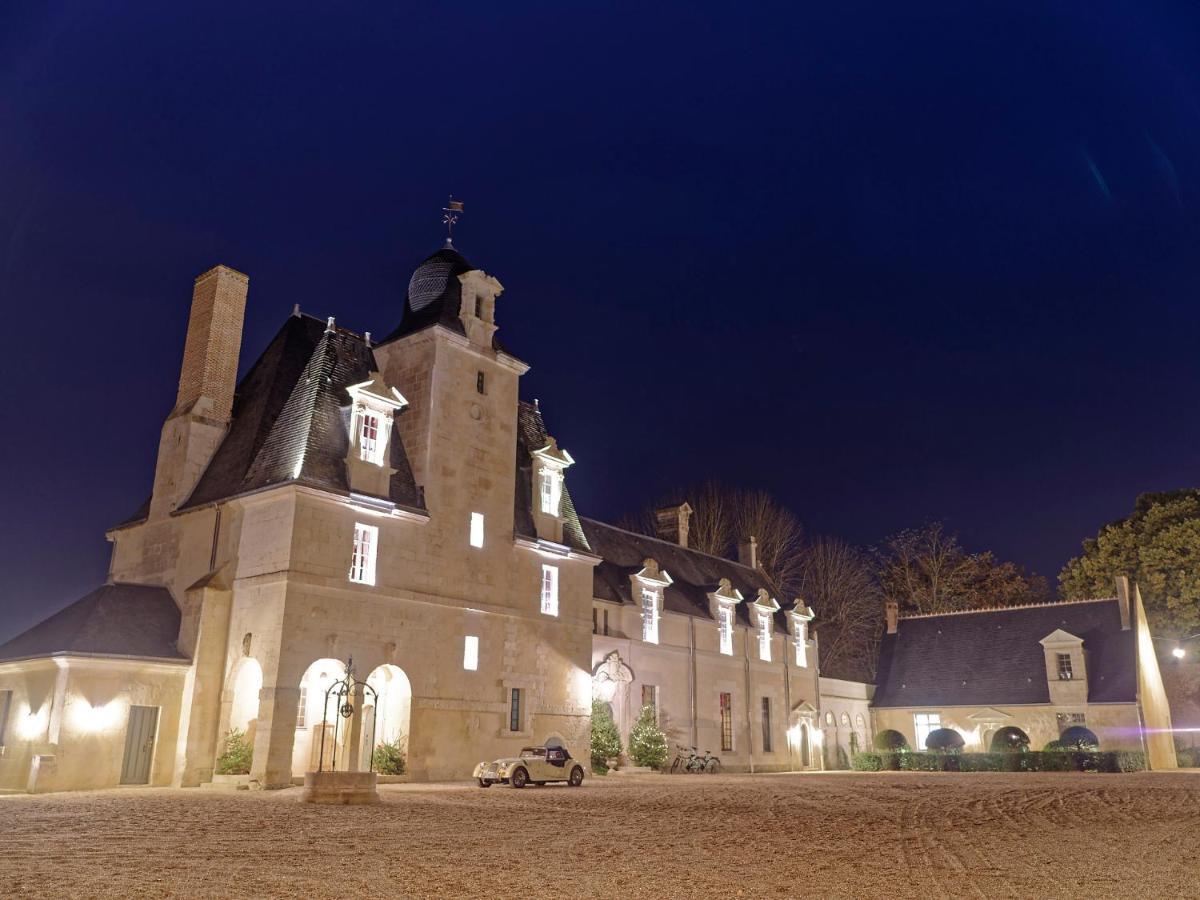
x: 946, y: 739
x: 867, y: 762
x: 890, y: 740
x: 391, y: 757
x: 606, y: 740
x: 647, y: 742
x: 1010, y: 740
x: 1079, y: 738
x: 236, y: 754
x: 1189, y: 757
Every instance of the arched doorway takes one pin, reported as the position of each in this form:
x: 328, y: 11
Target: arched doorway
x: 390, y: 718
x: 805, y: 746
x: 245, y: 687
x: 306, y: 748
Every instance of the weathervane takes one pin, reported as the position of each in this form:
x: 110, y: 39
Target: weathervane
x: 450, y: 218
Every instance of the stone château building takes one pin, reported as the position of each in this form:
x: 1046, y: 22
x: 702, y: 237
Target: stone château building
x: 395, y: 502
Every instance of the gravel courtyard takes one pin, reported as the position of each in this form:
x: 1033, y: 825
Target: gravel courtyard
x: 896, y: 834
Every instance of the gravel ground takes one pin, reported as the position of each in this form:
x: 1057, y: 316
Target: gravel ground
x: 895, y: 834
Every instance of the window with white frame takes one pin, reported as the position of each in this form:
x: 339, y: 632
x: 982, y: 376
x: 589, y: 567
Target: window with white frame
x: 476, y: 529
x: 371, y: 436
x: 362, y: 561
x: 649, y: 617
x: 550, y: 488
x: 550, y: 590
x: 725, y: 628
x: 802, y: 645
x: 471, y: 653
x: 923, y: 723
x: 302, y: 709
x: 1066, y: 671
x: 764, y: 637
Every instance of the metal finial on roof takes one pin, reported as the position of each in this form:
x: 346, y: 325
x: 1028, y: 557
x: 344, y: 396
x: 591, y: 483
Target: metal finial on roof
x: 367, y: 338
x: 329, y: 325
x: 450, y: 214
x: 536, y: 405
x: 296, y: 310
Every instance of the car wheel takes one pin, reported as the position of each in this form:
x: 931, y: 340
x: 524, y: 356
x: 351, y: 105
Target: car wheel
x: 519, y: 778
x: 483, y: 783
x: 576, y: 778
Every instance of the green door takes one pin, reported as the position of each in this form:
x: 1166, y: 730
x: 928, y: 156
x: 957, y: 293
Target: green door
x: 139, y: 744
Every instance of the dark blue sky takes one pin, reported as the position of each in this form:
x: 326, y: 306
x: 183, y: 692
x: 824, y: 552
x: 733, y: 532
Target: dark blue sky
x: 891, y: 262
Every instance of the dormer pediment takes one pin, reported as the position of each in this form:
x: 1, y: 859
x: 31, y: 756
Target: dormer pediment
x: 805, y: 709
x: 726, y: 593
x: 989, y: 715
x: 552, y: 456
x: 376, y: 393
x: 764, y: 602
x: 652, y: 575
x: 1060, y: 638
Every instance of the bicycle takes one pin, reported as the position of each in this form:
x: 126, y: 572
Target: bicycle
x: 680, y: 762
x: 708, y: 764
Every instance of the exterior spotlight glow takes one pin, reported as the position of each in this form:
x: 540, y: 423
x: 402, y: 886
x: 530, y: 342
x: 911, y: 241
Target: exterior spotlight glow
x: 95, y: 718
x: 33, y: 724
x: 1179, y: 653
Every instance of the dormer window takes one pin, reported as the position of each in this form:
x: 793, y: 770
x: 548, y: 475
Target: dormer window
x: 370, y: 444
x: 550, y: 484
x: 650, y: 616
x: 764, y: 637
x: 725, y: 628
x: 801, y: 644
x: 1065, y: 670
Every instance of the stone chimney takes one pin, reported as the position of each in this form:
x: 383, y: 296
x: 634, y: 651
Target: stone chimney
x: 1123, y: 600
x: 207, y: 381
x: 748, y: 552
x: 891, y: 612
x: 671, y: 523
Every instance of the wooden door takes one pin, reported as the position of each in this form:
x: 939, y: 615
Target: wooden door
x: 139, y: 744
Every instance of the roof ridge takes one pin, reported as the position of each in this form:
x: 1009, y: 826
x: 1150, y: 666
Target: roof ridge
x: 991, y: 609
x: 651, y: 537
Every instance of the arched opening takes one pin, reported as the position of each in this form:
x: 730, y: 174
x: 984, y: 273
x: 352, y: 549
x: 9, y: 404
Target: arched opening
x: 390, y: 718
x: 246, y: 684
x: 1009, y: 739
x: 306, y: 748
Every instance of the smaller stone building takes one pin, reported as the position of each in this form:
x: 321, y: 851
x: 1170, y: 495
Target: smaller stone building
x: 1039, y: 668
x: 845, y: 720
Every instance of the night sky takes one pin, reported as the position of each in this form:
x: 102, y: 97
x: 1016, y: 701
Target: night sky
x: 892, y: 262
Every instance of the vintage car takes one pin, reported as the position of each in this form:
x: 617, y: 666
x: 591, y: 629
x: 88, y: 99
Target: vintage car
x: 536, y: 765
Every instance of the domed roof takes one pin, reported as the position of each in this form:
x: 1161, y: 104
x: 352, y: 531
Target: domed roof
x: 435, y: 278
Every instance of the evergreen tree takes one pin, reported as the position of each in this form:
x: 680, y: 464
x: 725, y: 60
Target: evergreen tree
x: 606, y: 740
x: 647, y: 742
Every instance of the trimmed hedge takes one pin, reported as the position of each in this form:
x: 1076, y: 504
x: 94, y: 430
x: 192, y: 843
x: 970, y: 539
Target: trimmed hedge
x: 1046, y: 761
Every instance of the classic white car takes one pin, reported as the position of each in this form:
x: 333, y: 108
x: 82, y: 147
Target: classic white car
x: 535, y: 764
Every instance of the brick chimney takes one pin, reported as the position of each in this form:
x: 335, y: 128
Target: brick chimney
x: 1123, y: 600
x: 207, y: 381
x: 748, y: 552
x: 891, y: 612
x: 671, y: 523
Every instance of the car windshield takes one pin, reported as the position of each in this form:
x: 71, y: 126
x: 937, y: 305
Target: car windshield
x: 533, y: 751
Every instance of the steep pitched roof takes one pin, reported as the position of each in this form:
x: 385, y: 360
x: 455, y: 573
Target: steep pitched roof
x: 694, y: 574
x: 291, y: 418
x: 531, y: 436
x: 115, y: 619
x: 992, y: 657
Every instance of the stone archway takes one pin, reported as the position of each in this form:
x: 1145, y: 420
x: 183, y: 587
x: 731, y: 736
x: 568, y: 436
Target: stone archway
x: 306, y: 747
x: 245, y: 685
x: 388, y: 722
x: 611, y: 680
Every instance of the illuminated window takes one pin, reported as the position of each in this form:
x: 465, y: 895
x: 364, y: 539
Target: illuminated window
x: 767, y: 743
x: 846, y: 719
x: 650, y: 698
x: 649, y: 617
x: 302, y: 710
x: 923, y: 723
x: 362, y: 562
x: 727, y: 723
x: 1065, y: 672
x: 471, y: 653
x: 764, y: 637
x: 550, y: 590
x: 828, y: 718
x: 859, y: 720
x: 476, y: 529
x: 802, y: 645
x: 550, y: 490
x: 371, y: 439
x: 514, y: 710
x: 725, y: 627
x: 5, y: 707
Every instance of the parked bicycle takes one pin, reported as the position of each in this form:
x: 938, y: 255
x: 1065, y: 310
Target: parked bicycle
x: 688, y: 760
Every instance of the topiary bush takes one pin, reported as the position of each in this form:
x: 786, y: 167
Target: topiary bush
x: 236, y: 754
x: 1010, y: 740
x: 606, y: 740
x: 391, y: 757
x: 945, y: 740
x: 647, y: 743
x: 890, y: 740
x: 1079, y: 738
x: 867, y: 762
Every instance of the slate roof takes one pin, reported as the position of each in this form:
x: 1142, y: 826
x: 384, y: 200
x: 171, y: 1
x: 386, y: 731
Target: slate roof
x: 694, y: 574
x: 292, y: 408
x: 115, y: 619
x: 531, y: 436
x: 993, y: 657
x: 434, y: 295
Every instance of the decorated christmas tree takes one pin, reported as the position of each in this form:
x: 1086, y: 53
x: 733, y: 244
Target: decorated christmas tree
x: 647, y: 742
x: 606, y: 740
